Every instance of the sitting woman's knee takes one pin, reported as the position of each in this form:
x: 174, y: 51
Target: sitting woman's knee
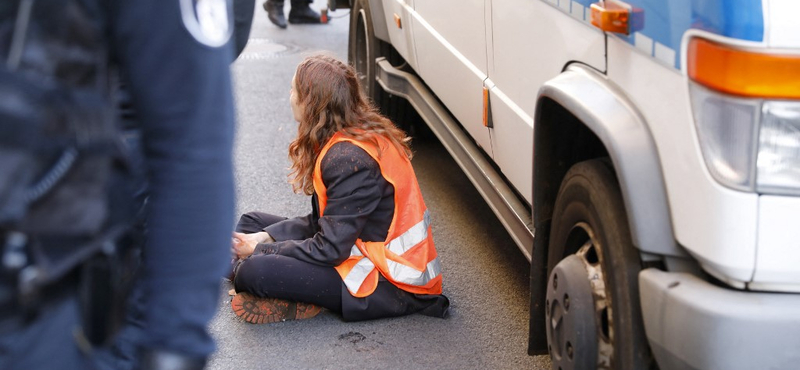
x: 254, y: 270
x: 248, y: 223
x: 253, y: 222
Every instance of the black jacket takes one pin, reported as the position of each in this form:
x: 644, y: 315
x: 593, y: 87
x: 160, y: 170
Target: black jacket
x: 360, y: 205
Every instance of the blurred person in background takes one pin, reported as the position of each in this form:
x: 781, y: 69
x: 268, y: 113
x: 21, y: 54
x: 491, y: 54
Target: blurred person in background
x: 301, y: 12
x: 68, y: 186
x: 366, y: 250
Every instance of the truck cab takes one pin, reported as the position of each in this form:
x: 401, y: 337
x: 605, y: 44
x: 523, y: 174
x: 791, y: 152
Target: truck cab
x: 644, y: 155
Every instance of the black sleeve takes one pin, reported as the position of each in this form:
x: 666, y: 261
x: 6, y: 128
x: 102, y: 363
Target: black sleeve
x: 297, y: 228
x: 352, y: 179
x: 181, y: 90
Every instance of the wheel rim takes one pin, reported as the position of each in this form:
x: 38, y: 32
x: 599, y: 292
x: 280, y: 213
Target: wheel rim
x: 583, y: 276
x: 591, y: 255
x: 362, y: 52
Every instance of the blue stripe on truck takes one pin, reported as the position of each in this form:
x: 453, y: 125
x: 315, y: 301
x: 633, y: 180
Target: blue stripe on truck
x: 665, y: 22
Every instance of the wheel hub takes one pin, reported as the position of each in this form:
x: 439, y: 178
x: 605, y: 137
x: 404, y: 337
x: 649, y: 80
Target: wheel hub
x: 575, y: 309
x: 570, y: 316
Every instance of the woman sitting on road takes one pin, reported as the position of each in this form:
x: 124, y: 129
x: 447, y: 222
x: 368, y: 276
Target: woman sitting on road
x: 366, y: 250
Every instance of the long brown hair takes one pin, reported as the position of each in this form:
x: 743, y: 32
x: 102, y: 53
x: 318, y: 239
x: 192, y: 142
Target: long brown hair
x: 333, y: 101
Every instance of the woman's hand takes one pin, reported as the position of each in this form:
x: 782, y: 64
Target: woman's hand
x: 243, y: 245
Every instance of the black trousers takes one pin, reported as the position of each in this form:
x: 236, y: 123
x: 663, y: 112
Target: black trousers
x: 275, y: 276
x: 284, y: 277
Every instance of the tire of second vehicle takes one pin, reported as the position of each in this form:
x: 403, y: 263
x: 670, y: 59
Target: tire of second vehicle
x: 362, y: 47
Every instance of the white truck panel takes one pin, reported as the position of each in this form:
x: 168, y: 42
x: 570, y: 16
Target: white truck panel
x: 461, y: 23
x: 512, y: 143
x: 778, y: 244
x: 780, y: 16
x: 451, y: 59
x: 518, y: 72
x: 400, y: 37
x: 712, y: 222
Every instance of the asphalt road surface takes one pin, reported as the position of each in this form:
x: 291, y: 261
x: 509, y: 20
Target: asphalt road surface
x: 485, y: 275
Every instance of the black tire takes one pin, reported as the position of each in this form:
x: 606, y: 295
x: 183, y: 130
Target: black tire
x: 589, y: 213
x: 363, y: 49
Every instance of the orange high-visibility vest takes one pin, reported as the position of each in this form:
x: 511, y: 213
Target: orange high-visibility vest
x: 407, y: 258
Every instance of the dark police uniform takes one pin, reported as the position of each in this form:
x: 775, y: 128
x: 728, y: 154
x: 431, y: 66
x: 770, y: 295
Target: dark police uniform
x: 242, y: 20
x: 174, y: 55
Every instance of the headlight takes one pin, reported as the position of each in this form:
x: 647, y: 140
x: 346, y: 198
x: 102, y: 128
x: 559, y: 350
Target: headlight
x: 749, y: 144
x: 726, y: 127
x: 779, y: 148
x: 746, y: 106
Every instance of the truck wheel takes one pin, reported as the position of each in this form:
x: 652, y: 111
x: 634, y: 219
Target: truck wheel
x: 363, y: 49
x: 593, y: 316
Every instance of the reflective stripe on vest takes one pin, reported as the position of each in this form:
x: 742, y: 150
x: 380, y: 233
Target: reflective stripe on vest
x: 358, y: 274
x: 397, y: 271
x: 407, y: 258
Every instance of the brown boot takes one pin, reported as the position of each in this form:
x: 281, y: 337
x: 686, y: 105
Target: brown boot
x: 257, y: 310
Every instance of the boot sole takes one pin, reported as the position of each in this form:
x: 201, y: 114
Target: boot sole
x: 257, y: 310
x: 304, y: 21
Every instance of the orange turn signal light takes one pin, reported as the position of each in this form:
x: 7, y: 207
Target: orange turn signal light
x: 610, y: 18
x: 616, y: 16
x: 743, y: 72
x: 487, y: 114
x: 398, y: 21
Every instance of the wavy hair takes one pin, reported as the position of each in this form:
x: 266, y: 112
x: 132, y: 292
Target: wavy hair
x: 333, y: 101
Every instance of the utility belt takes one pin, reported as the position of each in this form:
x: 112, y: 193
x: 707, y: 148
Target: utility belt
x: 99, y: 274
x: 13, y: 315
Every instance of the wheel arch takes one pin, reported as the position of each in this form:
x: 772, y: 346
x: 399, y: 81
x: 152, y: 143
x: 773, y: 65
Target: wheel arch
x: 378, y: 20
x: 581, y: 115
x: 584, y: 95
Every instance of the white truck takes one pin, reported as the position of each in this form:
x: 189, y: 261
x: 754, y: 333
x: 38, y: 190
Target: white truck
x: 653, y: 146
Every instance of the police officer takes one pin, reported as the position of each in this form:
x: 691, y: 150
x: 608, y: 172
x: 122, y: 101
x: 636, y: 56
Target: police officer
x: 174, y: 55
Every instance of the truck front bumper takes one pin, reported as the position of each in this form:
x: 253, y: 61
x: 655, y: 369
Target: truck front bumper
x: 693, y: 324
